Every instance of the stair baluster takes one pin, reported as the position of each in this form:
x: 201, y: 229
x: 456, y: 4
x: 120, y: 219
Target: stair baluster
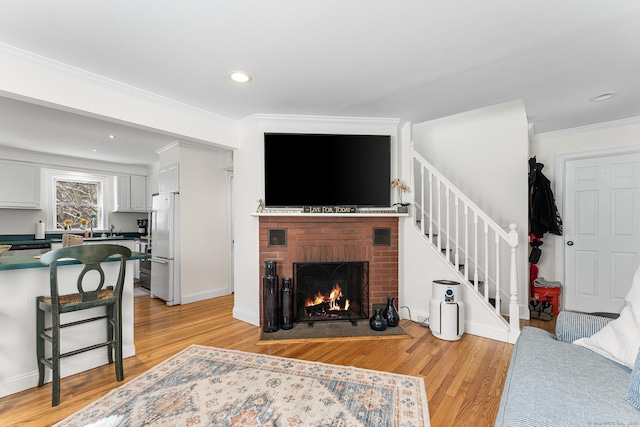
x: 465, y: 246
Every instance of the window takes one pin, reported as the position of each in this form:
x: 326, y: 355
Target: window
x: 75, y: 196
x: 77, y: 204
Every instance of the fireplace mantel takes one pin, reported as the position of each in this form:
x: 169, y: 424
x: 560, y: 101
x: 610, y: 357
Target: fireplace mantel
x: 322, y: 215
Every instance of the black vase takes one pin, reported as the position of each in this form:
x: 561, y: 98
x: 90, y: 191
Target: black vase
x: 270, y: 297
x: 390, y: 313
x: 287, y: 304
x: 377, y: 321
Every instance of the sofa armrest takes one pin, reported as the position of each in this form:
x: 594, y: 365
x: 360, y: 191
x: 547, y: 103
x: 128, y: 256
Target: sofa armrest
x: 572, y: 325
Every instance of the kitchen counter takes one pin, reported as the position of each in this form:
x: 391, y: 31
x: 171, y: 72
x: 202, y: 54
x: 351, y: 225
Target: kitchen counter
x: 22, y: 280
x: 20, y: 262
x: 18, y: 239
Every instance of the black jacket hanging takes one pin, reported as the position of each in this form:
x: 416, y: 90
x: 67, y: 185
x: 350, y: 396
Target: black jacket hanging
x: 543, y: 213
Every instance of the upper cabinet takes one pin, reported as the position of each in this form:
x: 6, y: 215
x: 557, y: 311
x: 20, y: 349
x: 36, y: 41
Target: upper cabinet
x: 138, y: 193
x: 169, y: 179
x: 19, y: 185
x: 131, y: 193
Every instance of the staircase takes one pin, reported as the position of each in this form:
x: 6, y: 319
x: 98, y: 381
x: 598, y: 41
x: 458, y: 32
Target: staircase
x: 480, y: 252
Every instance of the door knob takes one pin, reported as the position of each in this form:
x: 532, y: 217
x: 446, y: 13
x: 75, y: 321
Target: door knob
x: 570, y: 243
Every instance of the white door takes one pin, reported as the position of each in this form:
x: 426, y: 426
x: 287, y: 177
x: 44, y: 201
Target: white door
x: 601, y: 224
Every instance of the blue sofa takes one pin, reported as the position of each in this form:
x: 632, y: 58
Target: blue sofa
x: 551, y: 382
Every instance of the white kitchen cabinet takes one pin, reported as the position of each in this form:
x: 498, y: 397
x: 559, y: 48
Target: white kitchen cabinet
x: 169, y: 179
x: 131, y: 193
x: 123, y: 193
x: 19, y: 185
x: 138, y: 193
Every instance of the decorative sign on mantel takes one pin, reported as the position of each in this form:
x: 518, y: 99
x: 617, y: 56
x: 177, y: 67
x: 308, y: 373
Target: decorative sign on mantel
x: 329, y: 209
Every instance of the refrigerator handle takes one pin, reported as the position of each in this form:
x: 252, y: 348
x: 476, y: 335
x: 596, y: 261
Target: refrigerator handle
x: 159, y: 261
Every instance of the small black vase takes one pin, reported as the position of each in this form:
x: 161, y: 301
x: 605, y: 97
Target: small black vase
x: 377, y: 321
x: 390, y: 313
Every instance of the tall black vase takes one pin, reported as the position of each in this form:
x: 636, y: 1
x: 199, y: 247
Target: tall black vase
x: 287, y: 304
x: 390, y: 313
x: 270, y: 297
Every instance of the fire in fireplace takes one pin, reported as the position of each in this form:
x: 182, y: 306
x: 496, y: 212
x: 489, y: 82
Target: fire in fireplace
x: 331, y: 291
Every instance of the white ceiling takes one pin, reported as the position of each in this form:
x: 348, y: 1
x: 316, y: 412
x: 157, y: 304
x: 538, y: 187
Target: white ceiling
x: 414, y: 60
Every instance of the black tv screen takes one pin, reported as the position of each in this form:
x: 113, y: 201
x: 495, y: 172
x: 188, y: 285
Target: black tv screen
x: 327, y: 170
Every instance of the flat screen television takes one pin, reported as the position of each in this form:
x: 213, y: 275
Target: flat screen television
x: 327, y: 170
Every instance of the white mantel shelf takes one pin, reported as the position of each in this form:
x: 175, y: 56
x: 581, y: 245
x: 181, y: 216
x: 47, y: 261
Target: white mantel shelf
x: 320, y: 215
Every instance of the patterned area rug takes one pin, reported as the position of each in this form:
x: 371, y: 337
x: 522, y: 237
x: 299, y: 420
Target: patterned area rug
x: 207, y: 386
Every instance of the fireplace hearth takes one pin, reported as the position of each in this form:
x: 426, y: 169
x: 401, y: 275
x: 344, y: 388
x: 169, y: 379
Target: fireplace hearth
x: 331, y: 291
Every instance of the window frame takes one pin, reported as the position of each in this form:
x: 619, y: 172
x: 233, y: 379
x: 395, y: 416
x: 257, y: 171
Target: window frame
x: 53, y: 176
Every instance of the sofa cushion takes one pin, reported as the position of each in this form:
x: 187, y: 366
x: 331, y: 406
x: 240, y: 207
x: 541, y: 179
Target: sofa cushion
x: 571, y: 325
x: 552, y: 383
x: 633, y: 393
x: 619, y: 340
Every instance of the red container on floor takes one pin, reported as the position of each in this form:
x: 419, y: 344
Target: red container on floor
x: 548, y: 294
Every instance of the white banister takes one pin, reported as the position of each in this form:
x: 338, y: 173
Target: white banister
x: 467, y: 247
x: 514, y: 310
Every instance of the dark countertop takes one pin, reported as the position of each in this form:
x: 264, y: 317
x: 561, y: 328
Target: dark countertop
x: 19, y: 239
x: 21, y: 262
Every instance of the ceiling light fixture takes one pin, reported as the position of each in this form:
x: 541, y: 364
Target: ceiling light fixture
x: 112, y: 136
x: 602, y: 97
x: 240, y: 77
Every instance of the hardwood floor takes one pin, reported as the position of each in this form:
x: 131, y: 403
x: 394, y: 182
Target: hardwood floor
x: 463, y: 379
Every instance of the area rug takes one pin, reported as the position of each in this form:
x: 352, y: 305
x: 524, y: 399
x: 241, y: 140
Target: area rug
x: 207, y: 386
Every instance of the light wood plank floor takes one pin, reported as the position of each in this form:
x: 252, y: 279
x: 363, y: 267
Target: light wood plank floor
x: 464, y: 379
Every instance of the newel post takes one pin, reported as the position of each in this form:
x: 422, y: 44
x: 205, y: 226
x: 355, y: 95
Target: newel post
x: 514, y: 307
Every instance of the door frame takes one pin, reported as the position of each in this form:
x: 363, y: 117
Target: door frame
x: 230, y: 231
x: 561, y: 170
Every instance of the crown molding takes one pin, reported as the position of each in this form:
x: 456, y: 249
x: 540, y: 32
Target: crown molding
x: 78, y: 73
x: 319, y: 119
x: 191, y: 144
x: 614, y: 123
x: 53, y: 161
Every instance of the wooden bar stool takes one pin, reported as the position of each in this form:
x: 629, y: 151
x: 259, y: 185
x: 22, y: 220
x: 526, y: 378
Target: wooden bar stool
x: 92, y: 256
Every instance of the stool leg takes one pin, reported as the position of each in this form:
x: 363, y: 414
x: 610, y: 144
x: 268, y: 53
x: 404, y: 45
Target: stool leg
x: 40, y: 342
x: 118, y: 344
x: 110, y: 328
x: 55, y: 357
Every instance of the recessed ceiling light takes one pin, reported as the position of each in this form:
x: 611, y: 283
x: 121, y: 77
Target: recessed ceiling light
x: 240, y: 77
x: 95, y: 150
x: 602, y: 97
x: 112, y: 136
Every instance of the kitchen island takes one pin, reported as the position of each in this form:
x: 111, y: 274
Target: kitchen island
x: 22, y: 279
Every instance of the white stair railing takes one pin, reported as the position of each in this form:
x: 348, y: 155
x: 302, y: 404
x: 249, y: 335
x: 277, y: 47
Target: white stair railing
x: 479, y: 250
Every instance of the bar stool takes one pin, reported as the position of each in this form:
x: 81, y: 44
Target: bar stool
x: 92, y: 256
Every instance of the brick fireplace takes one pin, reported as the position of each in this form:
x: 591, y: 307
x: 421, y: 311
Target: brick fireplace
x: 307, y: 238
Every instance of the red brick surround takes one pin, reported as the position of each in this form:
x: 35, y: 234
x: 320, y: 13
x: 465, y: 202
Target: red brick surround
x: 329, y: 239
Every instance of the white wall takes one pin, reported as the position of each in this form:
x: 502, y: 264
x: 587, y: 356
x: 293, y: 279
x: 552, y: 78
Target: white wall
x: 204, y: 238
x: 549, y: 148
x: 249, y: 187
x: 204, y: 241
x: 485, y: 154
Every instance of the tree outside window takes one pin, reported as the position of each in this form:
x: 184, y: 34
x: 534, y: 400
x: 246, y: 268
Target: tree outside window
x: 77, y: 204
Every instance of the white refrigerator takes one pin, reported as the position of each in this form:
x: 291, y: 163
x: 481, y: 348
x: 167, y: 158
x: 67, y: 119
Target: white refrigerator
x: 165, y: 248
